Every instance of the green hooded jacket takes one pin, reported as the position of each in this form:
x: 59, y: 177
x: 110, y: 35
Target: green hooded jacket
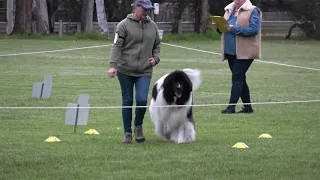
x: 135, y: 42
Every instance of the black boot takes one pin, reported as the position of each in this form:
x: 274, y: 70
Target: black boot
x: 229, y: 110
x: 246, y: 109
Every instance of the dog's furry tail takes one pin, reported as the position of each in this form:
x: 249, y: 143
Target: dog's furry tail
x: 195, y: 77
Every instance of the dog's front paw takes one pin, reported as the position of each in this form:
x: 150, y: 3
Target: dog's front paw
x: 167, y: 136
x: 180, y: 141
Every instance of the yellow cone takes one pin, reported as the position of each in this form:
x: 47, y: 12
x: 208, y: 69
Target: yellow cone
x: 91, y: 131
x: 52, y: 139
x: 265, y: 135
x: 240, y: 145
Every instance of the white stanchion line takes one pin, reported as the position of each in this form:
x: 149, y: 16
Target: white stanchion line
x: 166, y: 106
x: 52, y: 51
x: 268, y: 62
x: 199, y: 50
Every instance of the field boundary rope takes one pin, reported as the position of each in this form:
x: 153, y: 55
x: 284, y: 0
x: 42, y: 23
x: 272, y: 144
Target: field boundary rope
x: 52, y: 51
x: 165, y: 106
x: 182, y: 47
x: 267, y: 62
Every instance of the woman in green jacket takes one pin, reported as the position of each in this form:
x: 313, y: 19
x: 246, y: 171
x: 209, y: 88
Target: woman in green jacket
x: 135, y: 52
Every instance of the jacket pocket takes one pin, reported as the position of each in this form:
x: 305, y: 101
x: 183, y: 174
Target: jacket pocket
x: 128, y: 62
x: 146, y: 66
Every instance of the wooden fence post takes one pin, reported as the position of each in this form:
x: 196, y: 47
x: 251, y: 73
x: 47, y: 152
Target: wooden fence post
x: 60, y: 28
x: 180, y: 27
x: 79, y: 27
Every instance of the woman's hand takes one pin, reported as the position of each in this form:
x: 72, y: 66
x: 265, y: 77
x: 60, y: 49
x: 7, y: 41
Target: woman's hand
x: 229, y: 27
x: 112, y: 72
x: 152, y: 61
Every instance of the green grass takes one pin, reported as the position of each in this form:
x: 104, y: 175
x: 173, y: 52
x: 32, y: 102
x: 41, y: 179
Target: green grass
x: 293, y: 153
x: 168, y: 37
x: 209, y: 35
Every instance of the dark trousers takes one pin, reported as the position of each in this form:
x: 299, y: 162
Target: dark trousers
x: 141, y: 85
x: 240, y: 87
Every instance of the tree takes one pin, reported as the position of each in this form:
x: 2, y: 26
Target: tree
x: 23, y: 17
x: 11, y: 6
x: 101, y: 16
x: 52, y: 6
x: 306, y: 16
x: 179, y: 7
x: 125, y: 8
x: 201, y: 15
x: 216, y: 7
x: 41, y: 19
x: 87, y: 15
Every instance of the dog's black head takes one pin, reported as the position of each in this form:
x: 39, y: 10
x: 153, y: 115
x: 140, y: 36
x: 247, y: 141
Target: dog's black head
x: 177, y: 87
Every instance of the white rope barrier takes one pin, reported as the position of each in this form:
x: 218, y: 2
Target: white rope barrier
x: 267, y: 62
x: 182, y: 47
x: 165, y: 106
x: 52, y: 51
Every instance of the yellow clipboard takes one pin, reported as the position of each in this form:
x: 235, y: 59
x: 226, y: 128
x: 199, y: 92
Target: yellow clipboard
x: 221, y: 22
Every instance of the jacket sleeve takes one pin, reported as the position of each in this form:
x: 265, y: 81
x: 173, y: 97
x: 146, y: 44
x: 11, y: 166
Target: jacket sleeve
x: 252, y: 29
x: 156, y: 47
x: 117, y: 44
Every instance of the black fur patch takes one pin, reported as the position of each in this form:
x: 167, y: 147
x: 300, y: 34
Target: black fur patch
x: 190, y: 114
x: 154, y: 91
x: 171, y: 81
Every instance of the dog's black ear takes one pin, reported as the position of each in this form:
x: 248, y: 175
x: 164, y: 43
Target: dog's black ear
x: 190, y: 86
x: 167, y: 86
x: 155, y: 91
x: 167, y: 82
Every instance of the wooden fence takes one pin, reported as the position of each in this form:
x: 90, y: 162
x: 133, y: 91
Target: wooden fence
x: 269, y: 28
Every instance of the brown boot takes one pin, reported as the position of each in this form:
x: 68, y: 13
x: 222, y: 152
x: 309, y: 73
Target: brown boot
x: 127, y: 138
x: 138, y: 131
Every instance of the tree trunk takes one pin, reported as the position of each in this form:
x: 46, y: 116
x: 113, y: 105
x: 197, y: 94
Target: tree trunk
x: 41, y: 19
x: 317, y: 29
x: 205, y: 12
x: 125, y: 8
x: 101, y: 16
x: 11, y: 6
x: 50, y: 13
x: 52, y: 6
x: 197, y: 17
x: 87, y: 15
x: 290, y: 30
x: 23, y: 17
x: 178, y: 11
x: 201, y: 15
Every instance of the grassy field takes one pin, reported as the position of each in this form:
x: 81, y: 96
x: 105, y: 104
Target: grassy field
x: 293, y: 153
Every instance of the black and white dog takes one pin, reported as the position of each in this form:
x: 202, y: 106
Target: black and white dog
x: 175, y: 123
